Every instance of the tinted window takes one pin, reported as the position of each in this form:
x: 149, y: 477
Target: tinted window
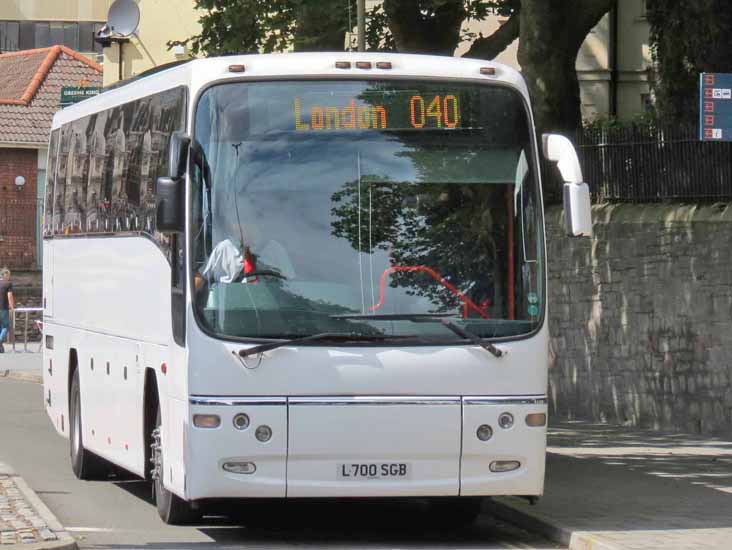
x: 358, y: 206
x: 26, y: 38
x: 86, y: 37
x: 50, y: 174
x: 9, y: 36
x: 42, y: 35
x: 108, y: 163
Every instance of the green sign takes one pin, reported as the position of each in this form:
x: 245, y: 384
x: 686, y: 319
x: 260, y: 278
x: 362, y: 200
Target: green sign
x: 74, y: 94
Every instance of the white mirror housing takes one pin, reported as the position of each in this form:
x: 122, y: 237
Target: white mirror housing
x: 577, y: 205
x: 577, y: 210
x: 559, y: 149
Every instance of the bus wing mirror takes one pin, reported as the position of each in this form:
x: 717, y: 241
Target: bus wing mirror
x: 169, y: 215
x: 178, y: 154
x: 169, y: 189
x: 577, y: 206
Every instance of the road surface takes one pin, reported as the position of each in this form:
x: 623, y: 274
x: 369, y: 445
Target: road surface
x: 120, y: 515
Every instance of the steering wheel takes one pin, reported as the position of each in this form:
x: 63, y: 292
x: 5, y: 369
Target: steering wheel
x: 264, y: 273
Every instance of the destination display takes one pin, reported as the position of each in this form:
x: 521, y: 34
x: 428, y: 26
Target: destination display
x: 392, y: 110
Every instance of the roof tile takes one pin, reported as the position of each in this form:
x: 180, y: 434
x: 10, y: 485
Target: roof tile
x: 30, y: 90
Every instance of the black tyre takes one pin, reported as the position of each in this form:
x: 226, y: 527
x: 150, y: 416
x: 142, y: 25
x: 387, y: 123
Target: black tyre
x: 172, y: 509
x: 84, y: 463
x: 456, y: 512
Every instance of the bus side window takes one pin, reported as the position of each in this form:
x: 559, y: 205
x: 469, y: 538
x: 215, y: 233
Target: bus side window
x: 59, y: 199
x: 75, y: 181
x: 50, y: 177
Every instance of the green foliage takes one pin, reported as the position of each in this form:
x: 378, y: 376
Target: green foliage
x: 551, y: 33
x: 687, y: 37
x: 251, y: 26
x: 643, y: 120
x: 453, y: 229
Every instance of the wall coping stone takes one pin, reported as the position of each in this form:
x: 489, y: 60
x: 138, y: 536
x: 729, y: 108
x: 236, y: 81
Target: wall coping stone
x: 653, y: 213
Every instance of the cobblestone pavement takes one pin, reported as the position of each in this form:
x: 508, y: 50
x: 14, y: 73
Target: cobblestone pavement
x: 615, y: 487
x: 19, y: 522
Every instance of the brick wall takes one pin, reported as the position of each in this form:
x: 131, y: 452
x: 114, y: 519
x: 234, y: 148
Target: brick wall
x: 641, y: 317
x: 18, y: 208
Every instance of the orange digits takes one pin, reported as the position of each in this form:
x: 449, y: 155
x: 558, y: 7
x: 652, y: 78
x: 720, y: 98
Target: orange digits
x: 413, y: 115
x: 455, y: 111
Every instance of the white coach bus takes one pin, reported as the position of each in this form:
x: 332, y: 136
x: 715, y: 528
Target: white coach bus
x: 303, y: 275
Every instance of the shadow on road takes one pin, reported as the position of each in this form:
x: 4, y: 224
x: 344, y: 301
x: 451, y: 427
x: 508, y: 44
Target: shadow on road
x: 328, y: 523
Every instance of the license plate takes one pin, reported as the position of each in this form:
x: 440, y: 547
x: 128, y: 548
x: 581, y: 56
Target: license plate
x: 361, y: 471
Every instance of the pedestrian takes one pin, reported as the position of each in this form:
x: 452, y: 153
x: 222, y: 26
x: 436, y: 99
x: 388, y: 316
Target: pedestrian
x: 7, y: 304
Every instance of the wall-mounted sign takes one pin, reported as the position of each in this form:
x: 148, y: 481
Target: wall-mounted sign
x: 74, y: 94
x: 715, y: 107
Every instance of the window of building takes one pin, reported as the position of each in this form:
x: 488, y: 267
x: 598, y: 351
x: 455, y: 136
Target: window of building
x: 9, y: 36
x: 26, y: 35
x: 647, y: 102
x: 643, y: 9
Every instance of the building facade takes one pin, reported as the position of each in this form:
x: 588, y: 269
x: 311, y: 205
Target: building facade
x: 30, y: 94
x: 33, y: 24
x: 161, y: 21
x: 613, y: 65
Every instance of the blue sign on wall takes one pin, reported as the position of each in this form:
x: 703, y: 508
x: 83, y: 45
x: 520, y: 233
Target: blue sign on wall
x: 715, y: 107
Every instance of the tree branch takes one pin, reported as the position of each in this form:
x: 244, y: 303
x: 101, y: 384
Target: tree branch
x: 488, y: 47
x: 590, y: 14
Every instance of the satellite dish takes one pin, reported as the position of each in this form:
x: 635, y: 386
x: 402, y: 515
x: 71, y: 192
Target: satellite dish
x: 123, y: 17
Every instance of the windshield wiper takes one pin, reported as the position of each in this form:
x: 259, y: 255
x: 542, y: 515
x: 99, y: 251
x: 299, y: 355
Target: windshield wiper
x: 336, y: 336
x: 431, y: 318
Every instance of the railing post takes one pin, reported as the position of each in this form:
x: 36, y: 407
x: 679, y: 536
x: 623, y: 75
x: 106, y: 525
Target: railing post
x: 12, y: 328
x: 25, y: 333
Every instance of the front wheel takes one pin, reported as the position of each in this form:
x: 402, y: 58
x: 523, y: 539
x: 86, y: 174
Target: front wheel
x: 172, y: 509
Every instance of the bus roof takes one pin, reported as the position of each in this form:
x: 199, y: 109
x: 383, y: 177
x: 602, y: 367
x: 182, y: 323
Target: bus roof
x: 199, y: 72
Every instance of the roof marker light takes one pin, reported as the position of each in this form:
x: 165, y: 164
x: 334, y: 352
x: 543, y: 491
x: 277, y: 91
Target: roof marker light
x: 363, y: 64
x: 343, y: 64
x: 383, y: 64
x: 488, y: 71
x: 237, y: 68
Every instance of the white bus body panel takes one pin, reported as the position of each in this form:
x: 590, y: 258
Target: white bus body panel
x: 329, y: 435
x: 210, y: 449
x: 117, y: 323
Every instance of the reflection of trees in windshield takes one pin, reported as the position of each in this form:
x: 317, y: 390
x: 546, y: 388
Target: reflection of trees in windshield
x: 450, y: 228
x: 427, y: 212
x: 296, y: 315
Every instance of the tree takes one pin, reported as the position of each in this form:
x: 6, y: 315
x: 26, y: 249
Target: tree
x: 550, y: 31
x: 251, y: 26
x: 688, y: 37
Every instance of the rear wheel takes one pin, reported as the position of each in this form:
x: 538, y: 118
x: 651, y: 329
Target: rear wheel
x: 85, y: 464
x: 172, y: 509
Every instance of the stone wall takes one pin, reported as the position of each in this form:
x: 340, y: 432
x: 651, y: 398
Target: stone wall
x: 641, y: 317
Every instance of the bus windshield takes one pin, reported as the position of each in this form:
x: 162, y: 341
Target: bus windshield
x: 357, y: 206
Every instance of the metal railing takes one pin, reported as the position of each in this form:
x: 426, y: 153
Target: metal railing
x: 654, y: 163
x: 26, y: 311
